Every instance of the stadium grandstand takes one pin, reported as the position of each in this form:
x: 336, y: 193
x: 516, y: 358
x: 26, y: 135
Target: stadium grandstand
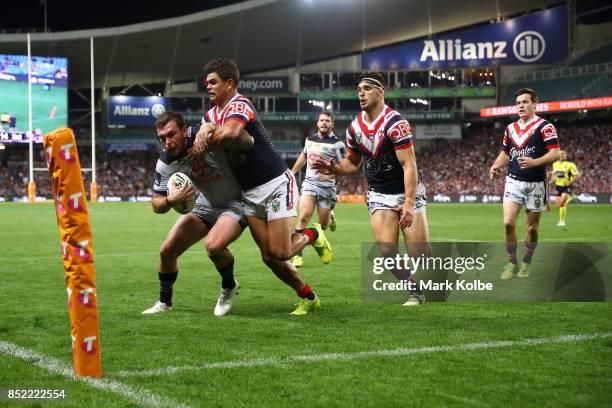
x: 319, y: 74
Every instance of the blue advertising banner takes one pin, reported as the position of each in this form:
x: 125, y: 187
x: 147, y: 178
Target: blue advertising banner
x: 537, y: 38
x: 135, y: 110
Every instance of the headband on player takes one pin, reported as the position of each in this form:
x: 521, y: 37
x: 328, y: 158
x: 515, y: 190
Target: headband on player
x: 373, y: 82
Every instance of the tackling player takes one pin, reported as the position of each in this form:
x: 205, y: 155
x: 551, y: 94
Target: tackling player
x: 382, y: 138
x: 316, y: 192
x: 564, y: 174
x: 217, y: 214
x: 529, y: 145
x: 269, y: 190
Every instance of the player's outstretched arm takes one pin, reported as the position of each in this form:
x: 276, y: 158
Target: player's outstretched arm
x: 350, y: 164
x: 501, y: 161
x: 211, y: 136
x: 408, y: 161
x: 299, y: 163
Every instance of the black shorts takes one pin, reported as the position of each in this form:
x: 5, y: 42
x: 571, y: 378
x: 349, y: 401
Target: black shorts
x: 564, y: 189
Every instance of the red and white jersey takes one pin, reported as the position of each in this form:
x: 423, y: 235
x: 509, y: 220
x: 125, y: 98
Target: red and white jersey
x: 260, y: 164
x: 377, y: 142
x: 532, y: 139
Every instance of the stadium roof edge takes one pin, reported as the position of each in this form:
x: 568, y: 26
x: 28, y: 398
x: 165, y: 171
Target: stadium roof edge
x: 140, y: 27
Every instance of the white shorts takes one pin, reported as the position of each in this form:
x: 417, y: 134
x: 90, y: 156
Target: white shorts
x: 529, y: 194
x: 209, y: 214
x: 325, y: 195
x: 273, y: 200
x: 378, y: 201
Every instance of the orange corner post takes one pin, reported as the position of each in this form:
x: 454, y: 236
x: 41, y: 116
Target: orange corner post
x: 76, y: 249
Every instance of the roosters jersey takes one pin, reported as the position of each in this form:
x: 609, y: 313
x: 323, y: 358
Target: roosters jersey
x: 211, y: 173
x: 260, y: 164
x: 328, y: 148
x: 377, y: 142
x: 532, y: 139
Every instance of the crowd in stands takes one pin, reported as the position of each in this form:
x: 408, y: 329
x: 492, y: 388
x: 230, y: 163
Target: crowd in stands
x: 125, y: 174
x: 462, y: 167
x: 445, y: 166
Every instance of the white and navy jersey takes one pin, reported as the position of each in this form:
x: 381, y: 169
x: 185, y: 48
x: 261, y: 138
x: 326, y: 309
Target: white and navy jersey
x: 211, y: 174
x: 377, y: 143
x: 532, y: 139
x: 260, y: 164
x: 328, y: 148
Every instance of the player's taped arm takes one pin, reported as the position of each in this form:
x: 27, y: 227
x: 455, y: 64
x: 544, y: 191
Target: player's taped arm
x: 408, y: 161
x: 299, y: 163
x: 160, y: 204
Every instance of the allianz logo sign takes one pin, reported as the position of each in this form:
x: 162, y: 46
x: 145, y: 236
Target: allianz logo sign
x: 528, y: 46
x: 145, y: 111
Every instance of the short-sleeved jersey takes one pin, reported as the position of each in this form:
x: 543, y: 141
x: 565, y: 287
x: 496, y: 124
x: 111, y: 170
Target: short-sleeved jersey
x: 260, y: 164
x: 211, y: 174
x: 532, y: 139
x: 377, y: 143
x: 564, y: 172
x: 328, y: 148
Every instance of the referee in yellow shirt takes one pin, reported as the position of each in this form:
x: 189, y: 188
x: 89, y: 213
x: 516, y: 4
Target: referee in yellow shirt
x: 564, y: 174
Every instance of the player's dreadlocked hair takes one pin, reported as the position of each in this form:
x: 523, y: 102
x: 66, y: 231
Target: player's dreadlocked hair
x: 225, y: 68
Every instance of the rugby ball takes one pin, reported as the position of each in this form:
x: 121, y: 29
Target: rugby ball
x: 178, y: 181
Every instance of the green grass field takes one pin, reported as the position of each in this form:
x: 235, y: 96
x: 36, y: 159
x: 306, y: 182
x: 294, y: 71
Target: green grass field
x: 14, y: 100
x: 350, y: 353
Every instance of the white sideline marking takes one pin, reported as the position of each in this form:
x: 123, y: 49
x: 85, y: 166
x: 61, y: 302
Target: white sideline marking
x: 314, y: 358
x: 465, y: 400
x: 141, y: 397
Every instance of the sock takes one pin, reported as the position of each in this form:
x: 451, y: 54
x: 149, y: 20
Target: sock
x: 416, y: 286
x: 312, y: 234
x: 511, y: 251
x: 562, y: 213
x: 529, y: 249
x: 402, y: 274
x: 306, y: 293
x: 166, y: 281
x: 227, y: 276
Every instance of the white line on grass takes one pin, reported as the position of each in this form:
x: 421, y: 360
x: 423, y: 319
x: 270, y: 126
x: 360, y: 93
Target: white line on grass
x: 315, y: 358
x: 464, y: 400
x: 141, y: 397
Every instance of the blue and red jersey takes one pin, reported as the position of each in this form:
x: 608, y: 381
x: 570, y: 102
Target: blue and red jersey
x: 377, y: 142
x: 532, y: 139
x: 260, y: 164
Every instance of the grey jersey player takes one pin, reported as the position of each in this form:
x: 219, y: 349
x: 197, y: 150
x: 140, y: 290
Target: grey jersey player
x: 217, y: 214
x: 316, y: 191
